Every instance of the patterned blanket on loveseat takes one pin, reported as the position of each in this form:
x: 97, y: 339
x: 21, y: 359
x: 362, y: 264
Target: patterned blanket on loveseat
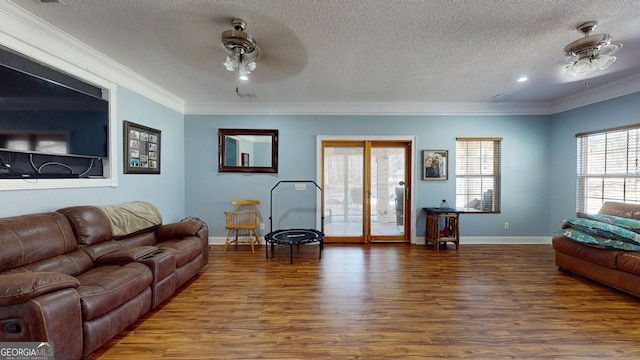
x: 606, y: 231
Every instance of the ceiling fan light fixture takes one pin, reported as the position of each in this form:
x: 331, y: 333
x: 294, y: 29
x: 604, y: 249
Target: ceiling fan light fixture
x: 604, y: 61
x: 590, y: 53
x: 583, y: 66
x: 231, y: 63
x: 241, y: 48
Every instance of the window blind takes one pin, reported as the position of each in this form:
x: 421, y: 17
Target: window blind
x: 607, y: 168
x: 478, y: 174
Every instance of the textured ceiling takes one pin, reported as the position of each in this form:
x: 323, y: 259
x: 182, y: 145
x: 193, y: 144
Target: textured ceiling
x: 353, y: 52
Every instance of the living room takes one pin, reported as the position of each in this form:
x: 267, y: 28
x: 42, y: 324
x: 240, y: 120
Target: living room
x: 538, y: 149
x: 543, y: 138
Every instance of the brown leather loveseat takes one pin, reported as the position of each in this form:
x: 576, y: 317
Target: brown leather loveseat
x: 67, y: 279
x: 598, y: 261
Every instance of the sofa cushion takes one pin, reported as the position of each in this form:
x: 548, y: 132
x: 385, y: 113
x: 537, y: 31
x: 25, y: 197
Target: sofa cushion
x: 604, y: 257
x: 30, y: 238
x: 631, y: 211
x: 126, y: 255
x: 73, y: 263
x: 97, y: 250
x: 90, y: 225
x: 141, y: 238
x: 20, y: 287
x: 104, y: 288
x: 178, y: 230
x: 629, y: 262
x: 185, y: 249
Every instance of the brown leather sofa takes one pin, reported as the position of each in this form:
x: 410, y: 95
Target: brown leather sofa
x: 65, y: 280
x: 616, y: 268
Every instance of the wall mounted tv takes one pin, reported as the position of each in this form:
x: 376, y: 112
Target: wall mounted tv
x: 46, y: 112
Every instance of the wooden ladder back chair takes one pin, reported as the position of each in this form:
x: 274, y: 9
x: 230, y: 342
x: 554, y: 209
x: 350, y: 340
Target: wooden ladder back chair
x: 243, y: 220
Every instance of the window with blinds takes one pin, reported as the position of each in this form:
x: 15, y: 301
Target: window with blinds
x: 478, y: 174
x: 608, y: 168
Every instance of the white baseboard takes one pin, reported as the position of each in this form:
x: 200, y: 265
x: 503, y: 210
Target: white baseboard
x: 508, y: 240
x: 220, y: 240
x: 477, y: 240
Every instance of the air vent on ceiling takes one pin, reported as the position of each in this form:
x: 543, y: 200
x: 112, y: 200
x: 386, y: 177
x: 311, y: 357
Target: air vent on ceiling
x: 500, y: 97
x: 51, y: 2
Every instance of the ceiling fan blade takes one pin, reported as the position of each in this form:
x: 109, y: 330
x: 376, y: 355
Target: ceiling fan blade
x: 610, y: 49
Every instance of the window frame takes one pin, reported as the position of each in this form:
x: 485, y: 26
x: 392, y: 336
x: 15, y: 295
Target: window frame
x: 603, y: 166
x: 463, y: 199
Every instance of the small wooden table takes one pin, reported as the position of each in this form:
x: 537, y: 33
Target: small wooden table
x: 451, y: 230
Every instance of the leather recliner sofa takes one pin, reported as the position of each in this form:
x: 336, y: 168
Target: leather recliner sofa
x: 66, y: 280
x: 614, y: 267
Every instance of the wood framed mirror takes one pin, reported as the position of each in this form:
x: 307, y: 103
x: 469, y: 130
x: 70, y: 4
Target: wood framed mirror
x: 248, y: 150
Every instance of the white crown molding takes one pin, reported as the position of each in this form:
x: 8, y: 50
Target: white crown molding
x: 364, y: 108
x: 25, y: 33
x: 582, y: 98
x: 608, y: 91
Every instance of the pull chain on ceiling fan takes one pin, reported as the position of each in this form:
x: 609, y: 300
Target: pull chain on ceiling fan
x: 590, y: 53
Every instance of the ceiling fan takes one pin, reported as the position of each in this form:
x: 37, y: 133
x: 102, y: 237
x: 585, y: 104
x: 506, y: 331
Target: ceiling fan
x: 242, y: 50
x: 591, y: 53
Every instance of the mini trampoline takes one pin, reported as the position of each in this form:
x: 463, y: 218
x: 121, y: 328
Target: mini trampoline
x: 292, y: 236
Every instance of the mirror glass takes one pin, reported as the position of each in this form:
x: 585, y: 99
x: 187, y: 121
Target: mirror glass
x: 248, y: 150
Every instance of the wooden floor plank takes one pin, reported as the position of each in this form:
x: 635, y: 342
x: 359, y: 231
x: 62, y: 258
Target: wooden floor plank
x: 383, y: 302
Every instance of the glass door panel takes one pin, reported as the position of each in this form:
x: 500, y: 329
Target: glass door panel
x: 387, y: 202
x: 343, y: 189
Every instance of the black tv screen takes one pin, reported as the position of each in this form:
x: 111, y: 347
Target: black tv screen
x: 40, y: 115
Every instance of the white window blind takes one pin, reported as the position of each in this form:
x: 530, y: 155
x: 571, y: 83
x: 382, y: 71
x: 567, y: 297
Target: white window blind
x: 478, y: 174
x: 608, y: 168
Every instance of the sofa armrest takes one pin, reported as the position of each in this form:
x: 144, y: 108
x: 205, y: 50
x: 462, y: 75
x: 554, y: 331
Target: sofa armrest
x: 126, y: 255
x: 18, y: 288
x: 178, y: 230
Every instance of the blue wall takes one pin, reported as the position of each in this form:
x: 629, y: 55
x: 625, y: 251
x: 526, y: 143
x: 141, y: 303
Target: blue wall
x: 621, y: 111
x: 538, y: 173
x: 166, y: 191
x: 526, y: 153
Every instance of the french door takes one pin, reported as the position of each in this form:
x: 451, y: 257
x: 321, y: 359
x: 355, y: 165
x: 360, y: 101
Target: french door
x: 366, y: 187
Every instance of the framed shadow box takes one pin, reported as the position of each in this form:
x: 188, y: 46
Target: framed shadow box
x: 141, y: 149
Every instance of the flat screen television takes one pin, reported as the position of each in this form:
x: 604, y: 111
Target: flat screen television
x: 40, y: 115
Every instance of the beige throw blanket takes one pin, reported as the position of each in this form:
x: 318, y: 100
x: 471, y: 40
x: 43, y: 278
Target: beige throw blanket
x: 131, y: 217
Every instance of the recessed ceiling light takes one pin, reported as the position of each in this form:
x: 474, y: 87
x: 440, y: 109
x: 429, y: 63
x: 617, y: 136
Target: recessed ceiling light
x: 523, y: 79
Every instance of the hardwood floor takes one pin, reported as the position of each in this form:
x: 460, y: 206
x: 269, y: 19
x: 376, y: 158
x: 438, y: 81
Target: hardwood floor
x: 383, y: 302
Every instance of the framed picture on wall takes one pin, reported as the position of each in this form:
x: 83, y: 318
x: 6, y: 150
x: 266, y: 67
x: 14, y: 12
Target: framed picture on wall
x: 435, y: 164
x: 141, y: 149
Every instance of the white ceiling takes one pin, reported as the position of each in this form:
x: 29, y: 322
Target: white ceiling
x: 355, y: 54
